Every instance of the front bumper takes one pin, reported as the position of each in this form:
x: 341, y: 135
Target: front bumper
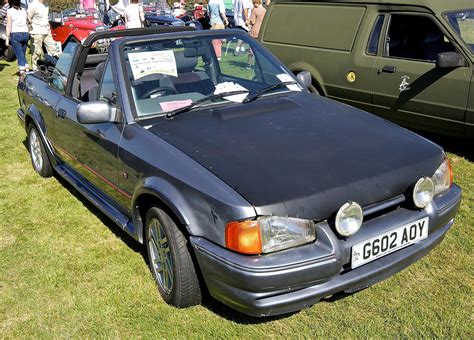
x: 297, y: 278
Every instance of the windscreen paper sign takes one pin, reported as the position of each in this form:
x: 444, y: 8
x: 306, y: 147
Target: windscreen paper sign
x: 145, y: 63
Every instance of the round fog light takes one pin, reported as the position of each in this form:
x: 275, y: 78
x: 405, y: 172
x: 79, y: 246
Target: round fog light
x: 423, y: 192
x: 349, y: 219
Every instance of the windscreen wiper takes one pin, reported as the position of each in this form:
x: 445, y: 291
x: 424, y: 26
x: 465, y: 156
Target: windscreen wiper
x: 269, y: 89
x: 174, y: 113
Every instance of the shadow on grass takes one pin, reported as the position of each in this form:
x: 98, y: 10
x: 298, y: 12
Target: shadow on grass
x: 232, y: 315
x: 3, y: 65
x: 458, y: 146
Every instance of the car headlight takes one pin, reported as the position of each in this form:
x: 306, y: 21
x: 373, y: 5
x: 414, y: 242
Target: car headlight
x: 443, y: 177
x: 177, y: 23
x: 423, y: 192
x: 349, y: 218
x: 268, y: 234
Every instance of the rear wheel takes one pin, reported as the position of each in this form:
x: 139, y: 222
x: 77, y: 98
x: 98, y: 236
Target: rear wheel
x: 170, y: 261
x: 9, y: 54
x: 39, y: 157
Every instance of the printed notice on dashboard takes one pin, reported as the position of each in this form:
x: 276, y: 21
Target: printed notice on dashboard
x: 152, y: 62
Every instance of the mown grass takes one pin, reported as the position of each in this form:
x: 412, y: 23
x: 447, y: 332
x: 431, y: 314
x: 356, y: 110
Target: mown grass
x: 67, y: 271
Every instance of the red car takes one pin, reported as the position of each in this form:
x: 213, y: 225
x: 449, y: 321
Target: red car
x: 71, y: 23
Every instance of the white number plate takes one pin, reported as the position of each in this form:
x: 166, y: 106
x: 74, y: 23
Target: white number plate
x: 389, y: 242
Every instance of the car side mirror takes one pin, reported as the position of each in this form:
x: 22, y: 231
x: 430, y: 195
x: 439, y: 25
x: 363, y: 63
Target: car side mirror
x: 95, y: 112
x: 304, y: 78
x: 450, y: 60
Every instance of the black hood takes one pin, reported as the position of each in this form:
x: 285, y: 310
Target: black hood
x: 302, y: 155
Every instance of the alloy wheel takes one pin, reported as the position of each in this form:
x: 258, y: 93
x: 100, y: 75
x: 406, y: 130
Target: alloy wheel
x: 159, y: 250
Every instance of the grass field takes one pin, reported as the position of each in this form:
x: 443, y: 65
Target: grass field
x: 67, y: 271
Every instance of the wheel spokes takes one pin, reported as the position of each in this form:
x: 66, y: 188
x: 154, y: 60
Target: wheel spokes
x: 162, y: 262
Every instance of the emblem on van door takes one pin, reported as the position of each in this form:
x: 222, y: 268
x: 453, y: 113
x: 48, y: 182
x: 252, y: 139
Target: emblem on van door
x: 351, y: 77
x: 404, y: 85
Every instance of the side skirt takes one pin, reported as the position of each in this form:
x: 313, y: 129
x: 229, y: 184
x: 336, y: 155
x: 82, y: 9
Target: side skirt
x: 122, y: 220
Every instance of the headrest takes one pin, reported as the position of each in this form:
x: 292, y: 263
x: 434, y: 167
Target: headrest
x: 99, y: 70
x: 185, y: 63
x: 434, y: 36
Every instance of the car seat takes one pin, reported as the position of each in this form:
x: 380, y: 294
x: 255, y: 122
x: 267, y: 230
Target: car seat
x: 90, y: 87
x: 188, y: 79
x: 434, y: 44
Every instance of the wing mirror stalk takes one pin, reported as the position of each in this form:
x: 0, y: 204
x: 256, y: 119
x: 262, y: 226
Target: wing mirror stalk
x: 450, y: 60
x: 96, y: 112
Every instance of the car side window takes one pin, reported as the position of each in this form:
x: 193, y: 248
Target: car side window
x: 373, y: 44
x: 415, y: 37
x: 107, y: 89
x: 60, y: 72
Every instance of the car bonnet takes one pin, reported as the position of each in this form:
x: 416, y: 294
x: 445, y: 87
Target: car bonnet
x: 302, y: 155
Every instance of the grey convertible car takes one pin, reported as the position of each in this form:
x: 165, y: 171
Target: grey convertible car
x: 234, y: 177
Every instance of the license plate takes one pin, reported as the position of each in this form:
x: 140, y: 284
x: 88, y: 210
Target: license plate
x: 386, y: 243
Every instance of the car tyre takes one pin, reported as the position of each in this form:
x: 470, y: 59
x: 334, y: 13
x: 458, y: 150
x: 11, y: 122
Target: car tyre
x: 9, y: 54
x: 39, y: 157
x: 314, y: 90
x: 170, y: 261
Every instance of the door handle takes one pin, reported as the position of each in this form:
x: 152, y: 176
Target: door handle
x: 61, y: 113
x: 387, y: 69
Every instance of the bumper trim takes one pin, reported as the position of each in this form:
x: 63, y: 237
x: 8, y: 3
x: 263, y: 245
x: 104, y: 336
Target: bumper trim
x: 294, y: 279
x: 279, y: 302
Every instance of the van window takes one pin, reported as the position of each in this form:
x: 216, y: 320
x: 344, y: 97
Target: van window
x: 314, y: 25
x: 373, y: 45
x: 415, y: 37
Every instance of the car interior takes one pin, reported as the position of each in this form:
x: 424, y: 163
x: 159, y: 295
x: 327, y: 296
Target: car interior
x: 415, y: 37
x: 196, y: 73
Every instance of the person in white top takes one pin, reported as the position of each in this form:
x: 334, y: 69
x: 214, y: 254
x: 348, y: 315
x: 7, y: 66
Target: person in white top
x: 40, y: 32
x: 17, y: 34
x: 134, y: 16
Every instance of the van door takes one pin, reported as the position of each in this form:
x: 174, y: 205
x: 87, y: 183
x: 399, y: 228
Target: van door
x: 408, y: 87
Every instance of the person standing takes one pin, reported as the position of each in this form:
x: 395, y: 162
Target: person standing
x: 103, y: 9
x: 40, y: 32
x: 218, y: 20
x: 133, y: 14
x: 3, y: 10
x: 86, y: 4
x: 242, y: 10
x: 17, y: 34
x: 256, y: 18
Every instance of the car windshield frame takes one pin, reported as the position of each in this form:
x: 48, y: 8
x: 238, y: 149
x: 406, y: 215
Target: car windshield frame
x: 453, y: 18
x: 127, y: 45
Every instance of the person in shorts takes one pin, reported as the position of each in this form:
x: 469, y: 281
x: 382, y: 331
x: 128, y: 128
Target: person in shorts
x: 218, y: 20
x: 242, y: 9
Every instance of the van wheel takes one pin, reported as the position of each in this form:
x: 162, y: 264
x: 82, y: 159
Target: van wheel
x: 10, y: 54
x: 313, y: 89
x: 170, y: 261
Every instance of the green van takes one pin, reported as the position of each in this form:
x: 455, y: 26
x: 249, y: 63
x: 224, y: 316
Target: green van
x: 410, y: 62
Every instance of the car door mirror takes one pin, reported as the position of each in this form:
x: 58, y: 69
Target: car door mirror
x: 450, y: 60
x: 304, y: 78
x: 95, y: 112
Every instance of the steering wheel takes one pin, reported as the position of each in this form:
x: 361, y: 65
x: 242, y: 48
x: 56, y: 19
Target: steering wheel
x: 159, y: 91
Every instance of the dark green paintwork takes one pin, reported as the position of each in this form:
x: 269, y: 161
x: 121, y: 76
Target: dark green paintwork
x: 329, y: 39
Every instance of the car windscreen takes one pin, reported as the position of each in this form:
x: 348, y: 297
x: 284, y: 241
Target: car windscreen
x: 166, y: 75
x: 463, y: 23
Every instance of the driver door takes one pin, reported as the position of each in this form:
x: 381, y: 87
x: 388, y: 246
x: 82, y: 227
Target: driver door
x: 408, y: 88
x: 90, y: 150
